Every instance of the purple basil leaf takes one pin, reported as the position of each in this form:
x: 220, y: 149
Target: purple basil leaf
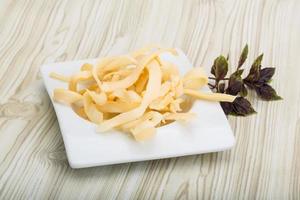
x: 266, y: 92
x: 242, y: 107
x: 227, y: 107
x: 266, y: 74
x: 250, y: 84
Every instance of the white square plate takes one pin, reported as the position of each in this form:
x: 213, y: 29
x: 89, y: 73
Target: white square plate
x: 208, y: 132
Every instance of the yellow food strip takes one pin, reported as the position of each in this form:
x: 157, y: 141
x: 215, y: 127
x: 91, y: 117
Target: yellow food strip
x: 153, y: 115
x: 116, y: 107
x: 110, y: 86
x: 179, y: 116
x: 91, y: 87
x: 80, y: 111
x: 116, y: 64
x: 143, y: 133
x: 66, y: 96
x: 210, y: 96
x: 195, y: 78
x: 121, y: 73
x: 168, y: 69
x: 161, y: 103
x: 86, y: 67
x: 175, y: 105
x: 152, y: 91
x: 99, y: 99
x: 146, y: 129
x: 165, y: 88
x: 90, y: 109
x: 132, y: 78
x: 80, y: 76
x: 59, y: 77
x: 141, y: 82
x: 127, y: 96
x: 100, y: 65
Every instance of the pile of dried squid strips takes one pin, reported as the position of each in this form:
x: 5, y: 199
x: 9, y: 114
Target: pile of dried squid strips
x: 135, y: 93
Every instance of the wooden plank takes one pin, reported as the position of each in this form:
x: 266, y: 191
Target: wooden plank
x: 265, y: 162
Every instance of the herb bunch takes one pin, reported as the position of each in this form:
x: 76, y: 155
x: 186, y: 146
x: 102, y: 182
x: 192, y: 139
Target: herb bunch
x: 258, y: 80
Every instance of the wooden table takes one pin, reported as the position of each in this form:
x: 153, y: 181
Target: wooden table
x: 264, y: 164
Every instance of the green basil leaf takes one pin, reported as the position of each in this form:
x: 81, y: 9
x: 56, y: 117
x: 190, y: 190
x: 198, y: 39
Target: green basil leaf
x: 243, y: 56
x: 255, y: 70
x: 220, y: 67
x: 243, y: 91
x: 235, y: 83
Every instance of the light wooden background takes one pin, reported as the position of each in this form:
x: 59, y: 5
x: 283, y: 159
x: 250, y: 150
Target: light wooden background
x: 264, y: 164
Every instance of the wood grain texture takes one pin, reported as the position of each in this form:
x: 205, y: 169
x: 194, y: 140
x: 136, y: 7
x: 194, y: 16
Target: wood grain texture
x: 264, y: 164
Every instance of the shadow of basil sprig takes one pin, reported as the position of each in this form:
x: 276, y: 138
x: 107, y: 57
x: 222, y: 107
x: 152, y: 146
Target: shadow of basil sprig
x: 258, y: 79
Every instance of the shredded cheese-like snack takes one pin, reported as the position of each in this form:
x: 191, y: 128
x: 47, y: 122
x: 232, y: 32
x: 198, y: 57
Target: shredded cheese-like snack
x: 135, y: 93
